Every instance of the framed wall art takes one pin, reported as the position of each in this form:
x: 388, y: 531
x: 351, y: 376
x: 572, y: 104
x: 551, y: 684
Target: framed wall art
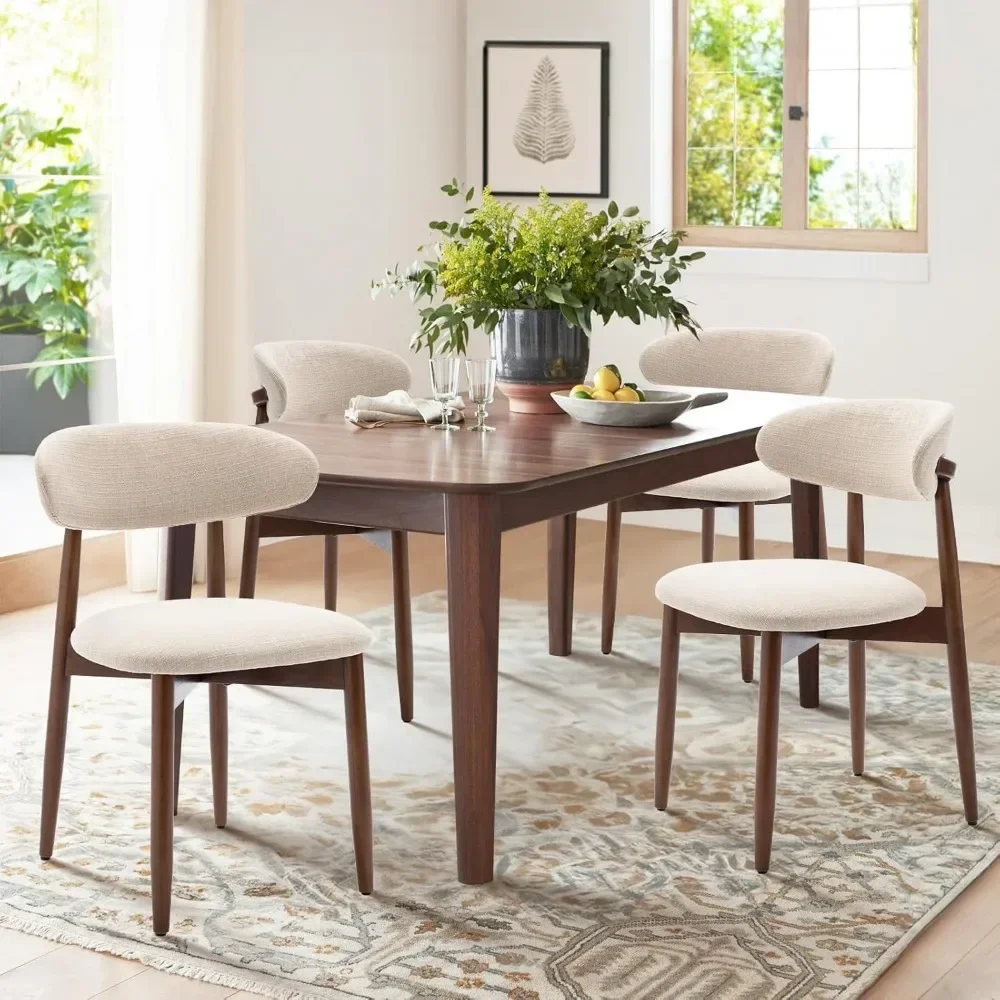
x: 545, y: 118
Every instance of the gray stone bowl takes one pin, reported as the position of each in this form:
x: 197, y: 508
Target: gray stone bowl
x: 662, y: 406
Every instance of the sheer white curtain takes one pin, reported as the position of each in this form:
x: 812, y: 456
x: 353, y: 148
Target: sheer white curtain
x: 178, y: 272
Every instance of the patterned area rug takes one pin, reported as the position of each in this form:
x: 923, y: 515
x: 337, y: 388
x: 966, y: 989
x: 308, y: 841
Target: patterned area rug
x: 597, y: 896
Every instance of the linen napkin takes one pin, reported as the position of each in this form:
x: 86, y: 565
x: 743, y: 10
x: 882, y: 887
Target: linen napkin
x: 399, y: 407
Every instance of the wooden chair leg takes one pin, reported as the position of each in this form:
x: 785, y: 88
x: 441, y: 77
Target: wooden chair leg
x: 707, y: 534
x: 666, y: 707
x: 609, y: 597
x: 958, y: 663
x: 823, y: 550
x: 357, y: 765
x: 856, y: 650
x: 161, y: 818
x: 218, y: 726
x: 856, y: 685
x: 55, y: 731
x: 218, y: 694
x: 55, y: 752
x: 330, y: 572
x: 178, y: 738
x: 251, y: 546
x: 767, y: 749
x: 746, y: 512
x: 404, y: 622
x: 961, y: 709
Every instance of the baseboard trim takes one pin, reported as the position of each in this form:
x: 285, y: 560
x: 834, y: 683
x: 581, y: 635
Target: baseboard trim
x: 32, y: 578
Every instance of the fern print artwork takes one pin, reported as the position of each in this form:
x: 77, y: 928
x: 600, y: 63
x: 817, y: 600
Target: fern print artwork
x: 545, y: 118
x: 544, y: 131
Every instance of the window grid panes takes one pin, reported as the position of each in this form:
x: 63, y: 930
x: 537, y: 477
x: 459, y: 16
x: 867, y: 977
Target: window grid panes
x: 799, y: 117
x: 734, y: 87
x: 863, y: 104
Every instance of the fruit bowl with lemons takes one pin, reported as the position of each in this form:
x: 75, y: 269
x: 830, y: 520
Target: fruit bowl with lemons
x: 612, y: 402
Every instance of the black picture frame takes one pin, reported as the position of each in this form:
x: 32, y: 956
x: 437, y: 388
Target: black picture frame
x: 605, y: 50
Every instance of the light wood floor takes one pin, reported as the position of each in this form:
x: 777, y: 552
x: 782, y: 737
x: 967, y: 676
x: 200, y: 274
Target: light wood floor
x: 957, y: 957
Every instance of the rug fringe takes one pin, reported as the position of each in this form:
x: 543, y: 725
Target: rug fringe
x: 136, y: 952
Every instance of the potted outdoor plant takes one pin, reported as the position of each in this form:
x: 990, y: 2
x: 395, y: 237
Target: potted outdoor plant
x: 534, y: 278
x: 47, y: 276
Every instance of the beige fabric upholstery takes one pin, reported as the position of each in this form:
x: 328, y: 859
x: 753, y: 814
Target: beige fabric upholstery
x: 216, y: 635
x: 117, y: 477
x: 880, y: 447
x: 790, y: 595
x: 753, y: 483
x: 797, y: 361
x: 316, y: 379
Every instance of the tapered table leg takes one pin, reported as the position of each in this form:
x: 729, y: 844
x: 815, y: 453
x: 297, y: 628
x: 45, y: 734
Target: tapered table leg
x: 472, y: 533
x: 562, y: 567
x: 808, y: 543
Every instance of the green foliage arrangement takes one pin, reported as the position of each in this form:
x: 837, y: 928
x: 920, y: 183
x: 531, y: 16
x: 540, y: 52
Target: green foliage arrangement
x: 46, y: 246
x: 553, y: 255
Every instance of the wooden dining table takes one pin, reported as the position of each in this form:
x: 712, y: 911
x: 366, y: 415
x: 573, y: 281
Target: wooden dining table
x: 471, y: 488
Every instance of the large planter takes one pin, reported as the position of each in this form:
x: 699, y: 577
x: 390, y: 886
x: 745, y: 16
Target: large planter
x: 28, y: 415
x: 537, y: 353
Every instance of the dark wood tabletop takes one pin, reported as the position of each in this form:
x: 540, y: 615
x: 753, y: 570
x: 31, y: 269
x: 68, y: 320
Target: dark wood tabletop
x: 525, y: 448
x: 473, y: 487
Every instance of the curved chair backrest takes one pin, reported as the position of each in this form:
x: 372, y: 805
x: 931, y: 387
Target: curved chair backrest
x: 878, y: 447
x: 116, y: 477
x: 798, y: 361
x: 315, y: 379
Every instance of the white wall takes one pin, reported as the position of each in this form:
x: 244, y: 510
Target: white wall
x: 937, y: 339
x: 623, y: 23
x: 355, y: 117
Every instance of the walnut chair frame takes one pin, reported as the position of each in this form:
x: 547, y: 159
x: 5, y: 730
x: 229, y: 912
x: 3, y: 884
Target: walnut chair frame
x: 942, y: 624
x: 168, y: 695
x: 275, y: 526
x: 654, y: 501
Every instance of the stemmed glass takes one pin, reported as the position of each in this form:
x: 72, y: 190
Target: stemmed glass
x: 444, y: 386
x: 482, y: 375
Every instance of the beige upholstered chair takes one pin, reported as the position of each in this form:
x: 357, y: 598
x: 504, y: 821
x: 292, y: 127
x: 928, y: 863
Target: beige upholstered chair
x: 796, y: 361
x: 172, y: 475
x: 885, y: 448
x: 313, y: 381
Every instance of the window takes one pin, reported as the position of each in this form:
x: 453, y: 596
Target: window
x: 56, y: 364
x: 801, y: 123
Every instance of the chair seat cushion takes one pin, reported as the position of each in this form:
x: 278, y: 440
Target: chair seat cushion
x: 790, y: 595
x: 215, y: 635
x: 751, y: 483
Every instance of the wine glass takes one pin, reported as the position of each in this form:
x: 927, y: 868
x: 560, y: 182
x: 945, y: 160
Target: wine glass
x: 482, y: 375
x: 444, y: 386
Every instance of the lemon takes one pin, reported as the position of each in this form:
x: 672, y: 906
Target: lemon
x: 605, y: 395
x: 581, y: 391
x: 607, y: 378
x: 637, y: 390
x: 627, y: 395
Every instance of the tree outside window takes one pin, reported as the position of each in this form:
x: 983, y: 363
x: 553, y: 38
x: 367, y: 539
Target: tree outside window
x: 800, y: 117
x: 53, y: 211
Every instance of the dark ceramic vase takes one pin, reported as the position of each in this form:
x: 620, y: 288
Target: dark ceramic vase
x: 538, y: 352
